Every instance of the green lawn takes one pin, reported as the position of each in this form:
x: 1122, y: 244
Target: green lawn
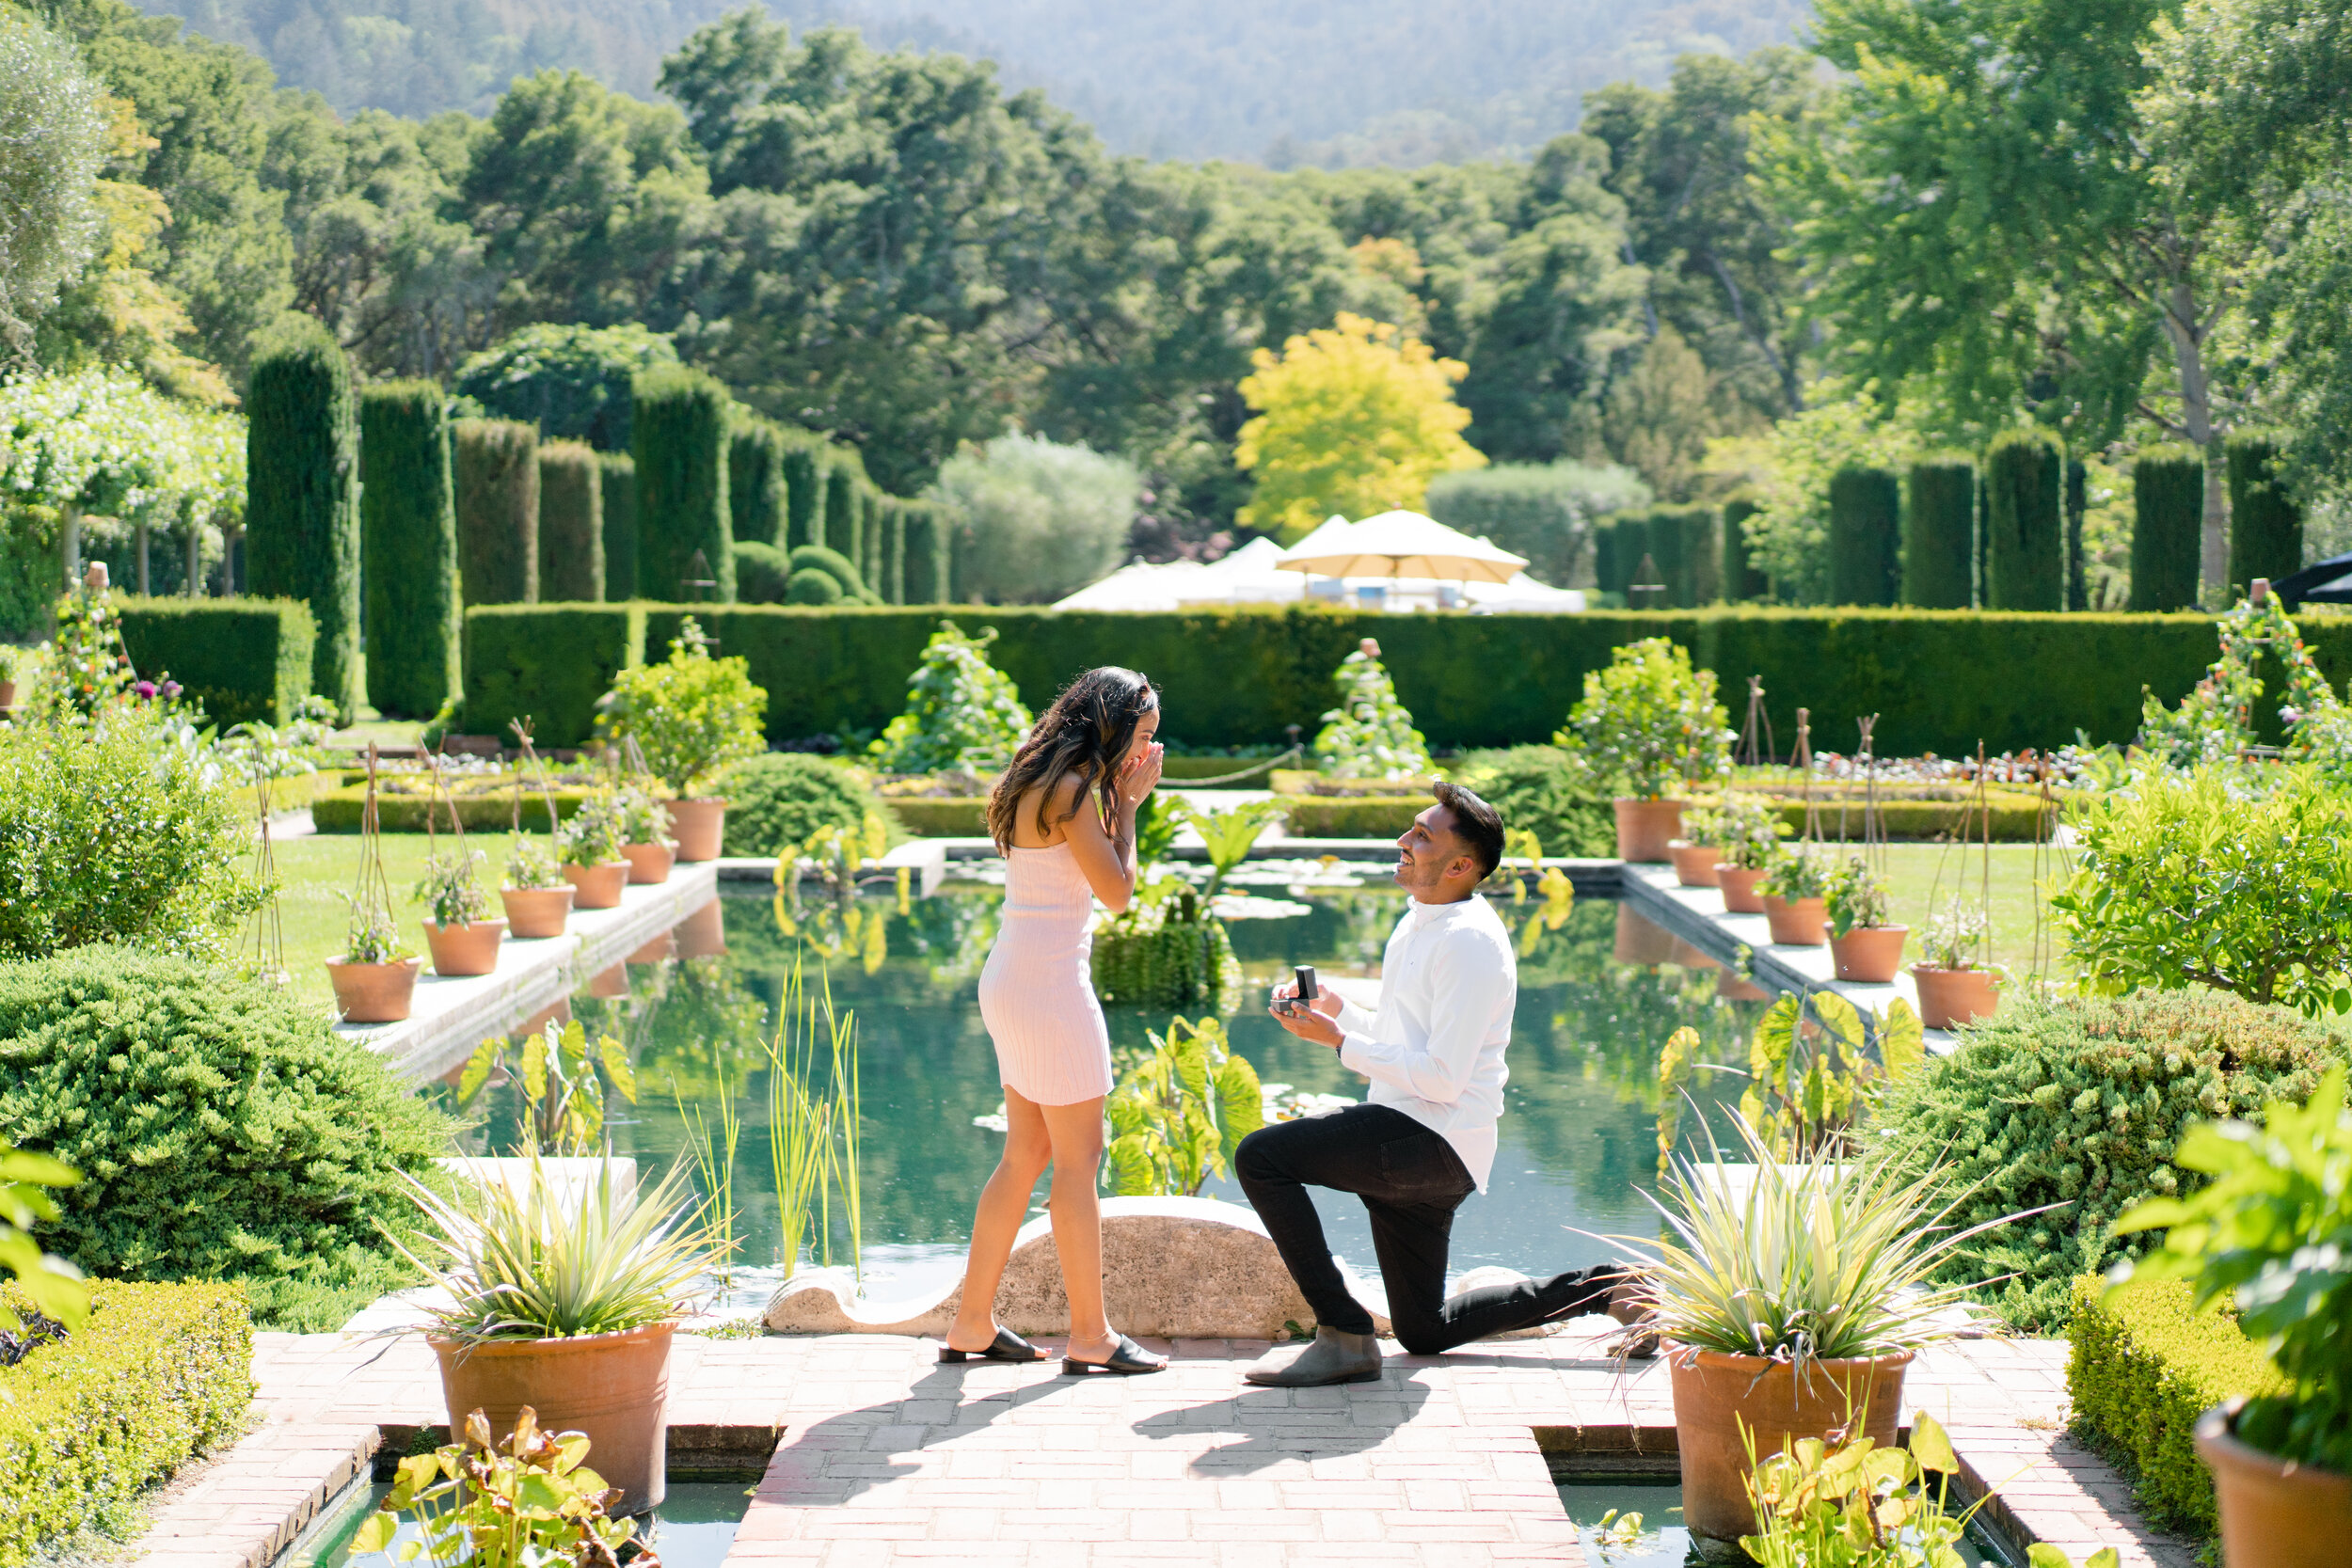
x: 1923, y: 877
x: 314, y: 872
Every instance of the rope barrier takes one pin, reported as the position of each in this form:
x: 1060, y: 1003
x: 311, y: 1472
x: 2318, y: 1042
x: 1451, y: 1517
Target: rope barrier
x: 1271, y: 763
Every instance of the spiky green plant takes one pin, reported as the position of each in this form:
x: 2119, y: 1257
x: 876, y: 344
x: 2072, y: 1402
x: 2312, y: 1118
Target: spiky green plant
x: 1178, y: 1116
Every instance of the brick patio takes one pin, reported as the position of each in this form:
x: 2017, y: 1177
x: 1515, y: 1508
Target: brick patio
x: 886, y: 1457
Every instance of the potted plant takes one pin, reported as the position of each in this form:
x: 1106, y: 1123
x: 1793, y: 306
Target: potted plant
x: 537, y: 897
x: 1790, y: 1304
x: 589, y: 845
x: 689, y: 715
x: 1698, y: 853
x: 561, y: 1295
x: 2271, y: 1230
x: 9, y: 658
x: 375, y: 978
x: 462, y: 942
x: 1796, y: 901
x: 1865, y: 946
x: 1953, y: 988
x: 1748, y: 831
x: 1648, y: 726
x: 646, y: 841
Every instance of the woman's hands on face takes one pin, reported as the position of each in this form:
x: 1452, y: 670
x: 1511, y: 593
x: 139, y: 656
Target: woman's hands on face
x: 1139, y: 774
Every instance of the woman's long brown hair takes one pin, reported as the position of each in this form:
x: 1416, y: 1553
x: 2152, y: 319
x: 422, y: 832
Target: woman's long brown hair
x: 1085, y: 732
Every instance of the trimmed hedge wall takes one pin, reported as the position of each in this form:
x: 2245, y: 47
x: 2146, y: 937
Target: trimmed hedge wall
x: 2168, y: 528
x: 158, y: 1376
x: 2141, y: 1370
x: 302, y: 495
x: 1865, y: 532
x: 498, y: 510
x: 245, y: 660
x: 2024, y: 567
x: 679, y: 439
x: 548, y: 663
x: 617, y: 474
x: 338, y: 809
x: 2265, y: 527
x: 756, y: 507
x: 571, y: 523
x: 1939, y: 534
x: 408, y: 547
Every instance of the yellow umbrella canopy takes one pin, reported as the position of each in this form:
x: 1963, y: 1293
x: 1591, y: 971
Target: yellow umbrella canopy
x: 1400, y: 544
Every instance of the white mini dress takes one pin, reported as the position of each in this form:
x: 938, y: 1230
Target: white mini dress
x: 1037, y: 992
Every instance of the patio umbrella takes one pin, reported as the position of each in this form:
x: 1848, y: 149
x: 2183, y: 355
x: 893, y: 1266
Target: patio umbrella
x: 2328, y: 582
x: 1400, y: 544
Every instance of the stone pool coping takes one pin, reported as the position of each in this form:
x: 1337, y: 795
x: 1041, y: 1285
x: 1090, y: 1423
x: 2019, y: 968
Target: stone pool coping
x: 882, y: 1456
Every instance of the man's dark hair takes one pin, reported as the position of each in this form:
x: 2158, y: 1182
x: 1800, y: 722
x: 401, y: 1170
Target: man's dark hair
x: 1478, y: 825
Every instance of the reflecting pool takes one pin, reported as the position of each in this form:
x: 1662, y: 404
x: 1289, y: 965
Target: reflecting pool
x: 1599, y: 991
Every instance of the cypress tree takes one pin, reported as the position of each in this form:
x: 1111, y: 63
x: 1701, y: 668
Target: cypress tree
x: 2265, y: 527
x: 571, y: 524
x: 1864, y: 530
x: 679, y: 439
x: 498, y: 511
x: 805, y: 490
x: 1984, y: 543
x: 1939, y: 533
x: 2025, y: 558
x: 1611, y: 537
x: 1680, y: 542
x: 872, y: 557
x: 1742, y: 582
x: 927, y: 554
x: 408, y: 547
x: 618, y: 473
x: 841, y: 514
x: 2077, y: 503
x: 894, y: 583
x: 756, y: 507
x: 2168, y: 527
x: 302, y: 495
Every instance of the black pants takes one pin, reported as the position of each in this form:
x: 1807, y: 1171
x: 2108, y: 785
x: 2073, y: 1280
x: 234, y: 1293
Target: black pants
x: 1411, y: 1181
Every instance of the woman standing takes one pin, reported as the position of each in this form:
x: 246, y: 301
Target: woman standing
x: 1063, y: 817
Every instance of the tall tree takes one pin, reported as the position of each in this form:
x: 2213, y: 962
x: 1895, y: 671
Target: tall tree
x: 52, y: 139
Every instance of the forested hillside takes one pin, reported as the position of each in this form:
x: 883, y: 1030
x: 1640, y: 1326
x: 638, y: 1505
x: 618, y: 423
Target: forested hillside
x: 1283, y: 82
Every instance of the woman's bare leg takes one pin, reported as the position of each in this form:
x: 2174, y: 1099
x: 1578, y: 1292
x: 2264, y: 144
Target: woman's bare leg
x: 1076, y: 1133
x: 1004, y: 1203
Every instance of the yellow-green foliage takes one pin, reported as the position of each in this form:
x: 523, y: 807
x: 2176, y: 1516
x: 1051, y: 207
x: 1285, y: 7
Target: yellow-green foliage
x: 2144, y: 1365
x: 160, y: 1372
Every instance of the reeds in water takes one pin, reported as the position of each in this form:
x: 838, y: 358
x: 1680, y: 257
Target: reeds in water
x: 813, y: 1130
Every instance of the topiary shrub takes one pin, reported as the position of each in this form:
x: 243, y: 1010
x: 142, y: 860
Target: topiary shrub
x: 1682, y: 545
x: 777, y: 801
x: 842, y: 473
x: 408, y: 537
x: 571, y: 524
x: 1740, y: 581
x: 222, y: 1130
x: 617, y: 474
x: 2025, y: 557
x: 817, y: 558
x: 757, y: 503
x: 1543, y: 790
x: 678, y: 435
x: 2265, y: 525
x: 812, y: 587
x: 302, y: 495
x: 1939, y: 534
x: 762, y: 574
x: 2082, y: 1104
x: 2168, y: 527
x: 1865, y: 524
x: 498, y: 511
x: 803, y: 489
x: 927, y: 554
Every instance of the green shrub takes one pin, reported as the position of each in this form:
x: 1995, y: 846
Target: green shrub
x: 571, y: 524
x: 1370, y: 735
x: 2168, y: 527
x: 302, y: 499
x: 762, y: 575
x: 817, y: 558
x: 1351, y: 816
x: 1681, y: 544
x: 1042, y: 519
x: 1170, y: 953
x: 105, y: 837
x: 2024, y: 566
x: 617, y: 471
x: 1650, y: 722
x: 1865, y: 524
x: 159, y: 1374
x: 961, y: 712
x: 1618, y: 541
x: 568, y: 381
x: 690, y: 715
x: 1541, y: 511
x: 548, y: 663
x: 2142, y: 1365
x: 2183, y: 880
x: 809, y: 586
x: 758, y: 511
x: 842, y: 473
x: 679, y: 439
x: 803, y: 466
x: 874, y: 564
x: 339, y: 810
x: 1939, y: 534
x: 497, y: 462
x: 1739, y: 579
x: 2078, y: 507
x: 1543, y: 790
x: 892, y: 588
x: 928, y: 554
x: 408, y: 547
x: 243, y: 659
x: 2265, y: 525
x: 781, y: 797
x: 222, y: 1130
x: 2083, y: 1103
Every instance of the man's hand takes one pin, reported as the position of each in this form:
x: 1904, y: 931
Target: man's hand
x: 1314, y: 1022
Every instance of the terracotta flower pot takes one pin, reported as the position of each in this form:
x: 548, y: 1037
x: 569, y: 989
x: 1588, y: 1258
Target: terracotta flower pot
x: 597, y: 887
x: 702, y: 934
x: 1954, y: 996
x: 373, y: 993
x: 1797, y: 922
x: 1731, y: 987
x: 1871, y: 954
x: 469, y: 949
x: 700, y: 826
x: 1644, y: 828
x: 1640, y: 940
x: 1694, y: 864
x: 2273, y: 1514
x: 1714, y: 1393
x: 648, y: 863
x: 660, y: 950
x: 609, y: 985
x: 615, y: 1388
x: 537, y: 912
x: 8, y: 696
x: 1739, y: 885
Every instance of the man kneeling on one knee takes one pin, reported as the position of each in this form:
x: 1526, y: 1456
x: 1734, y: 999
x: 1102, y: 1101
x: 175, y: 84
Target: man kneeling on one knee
x: 1424, y: 1138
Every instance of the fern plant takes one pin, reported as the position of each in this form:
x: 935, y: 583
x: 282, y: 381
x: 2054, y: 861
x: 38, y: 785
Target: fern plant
x: 1178, y: 1116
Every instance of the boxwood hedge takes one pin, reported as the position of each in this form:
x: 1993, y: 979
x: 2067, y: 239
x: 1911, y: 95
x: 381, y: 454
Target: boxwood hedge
x: 243, y: 659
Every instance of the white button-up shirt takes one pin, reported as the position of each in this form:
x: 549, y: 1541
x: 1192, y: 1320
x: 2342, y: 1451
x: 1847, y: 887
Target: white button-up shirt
x: 1448, y: 984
